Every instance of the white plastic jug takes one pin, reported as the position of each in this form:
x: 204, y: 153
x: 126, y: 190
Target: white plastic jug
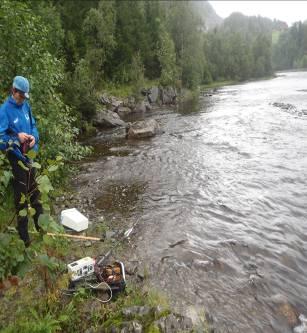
x: 73, y: 219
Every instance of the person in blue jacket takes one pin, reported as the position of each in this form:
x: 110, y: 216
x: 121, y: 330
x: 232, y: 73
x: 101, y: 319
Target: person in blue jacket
x: 18, y: 134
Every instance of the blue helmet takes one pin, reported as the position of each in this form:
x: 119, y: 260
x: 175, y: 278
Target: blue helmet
x: 22, y: 84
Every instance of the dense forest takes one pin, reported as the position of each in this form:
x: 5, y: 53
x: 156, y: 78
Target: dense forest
x: 290, y: 47
x: 72, y: 52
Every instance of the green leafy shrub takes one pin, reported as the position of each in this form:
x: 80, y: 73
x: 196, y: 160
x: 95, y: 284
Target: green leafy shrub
x: 5, y: 176
x: 12, y: 254
x: 14, y: 258
x: 27, y: 52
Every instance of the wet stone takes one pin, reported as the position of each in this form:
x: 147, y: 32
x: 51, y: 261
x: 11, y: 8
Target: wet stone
x: 253, y: 279
x: 140, y: 311
x: 140, y: 107
x: 143, y: 129
x: 289, y: 312
x: 153, y: 94
x: 110, y: 234
x: 302, y: 328
x: 218, y: 264
x: 250, y: 266
x: 174, y: 323
x: 124, y: 111
x: 202, y: 264
x: 285, y: 309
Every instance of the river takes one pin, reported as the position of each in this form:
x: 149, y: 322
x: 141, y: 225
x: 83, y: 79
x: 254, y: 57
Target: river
x: 221, y: 200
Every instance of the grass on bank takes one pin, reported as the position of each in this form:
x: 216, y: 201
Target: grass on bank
x: 31, y: 307
x: 26, y: 309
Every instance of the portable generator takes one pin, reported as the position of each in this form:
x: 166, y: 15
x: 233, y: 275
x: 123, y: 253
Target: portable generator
x: 87, y: 269
x: 81, y: 268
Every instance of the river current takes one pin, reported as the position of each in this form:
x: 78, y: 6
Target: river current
x: 221, y: 200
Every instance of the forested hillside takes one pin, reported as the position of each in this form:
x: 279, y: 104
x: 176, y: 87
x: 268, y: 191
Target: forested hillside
x: 290, y: 47
x: 108, y: 43
x: 72, y: 51
x: 79, y: 48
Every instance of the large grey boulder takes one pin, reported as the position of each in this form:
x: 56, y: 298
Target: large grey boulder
x: 143, y: 129
x: 153, y: 95
x: 104, y: 100
x: 140, y: 107
x: 105, y: 119
x: 110, y: 102
x: 123, y: 111
x: 129, y: 102
x: 148, y: 106
x: 168, y: 95
x: 115, y: 104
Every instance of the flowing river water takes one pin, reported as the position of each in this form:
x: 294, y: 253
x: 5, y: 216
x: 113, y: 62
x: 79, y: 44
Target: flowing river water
x: 221, y: 199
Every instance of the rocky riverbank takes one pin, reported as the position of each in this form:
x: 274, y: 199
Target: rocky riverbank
x: 115, y: 112
x: 106, y: 211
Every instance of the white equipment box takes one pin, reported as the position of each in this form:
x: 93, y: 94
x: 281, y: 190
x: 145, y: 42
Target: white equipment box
x: 73, y: 219
x: 81, y: 268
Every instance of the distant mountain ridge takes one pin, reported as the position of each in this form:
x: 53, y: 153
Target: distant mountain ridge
x: 208, y: 14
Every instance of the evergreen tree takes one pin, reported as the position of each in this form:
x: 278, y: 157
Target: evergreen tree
x: 167, y: 58
x: 99, y: 36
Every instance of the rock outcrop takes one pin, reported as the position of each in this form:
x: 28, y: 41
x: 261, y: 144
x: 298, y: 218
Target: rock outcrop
x: 153, y: 95
x: 168, y: 95
x: 140, y: 107
x: 143, y: 129
x: 124, y: 111
x: 118, y: 110
x: 107, y: 119
x: 159, y: 321
x: 174, y: 323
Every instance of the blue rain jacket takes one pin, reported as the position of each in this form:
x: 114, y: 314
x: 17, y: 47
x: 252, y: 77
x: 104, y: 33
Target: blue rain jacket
x: 16, y: 118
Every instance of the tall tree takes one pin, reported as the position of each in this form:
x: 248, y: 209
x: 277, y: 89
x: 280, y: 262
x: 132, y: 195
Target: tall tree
x: 99, y: 34
x: 185, y: 26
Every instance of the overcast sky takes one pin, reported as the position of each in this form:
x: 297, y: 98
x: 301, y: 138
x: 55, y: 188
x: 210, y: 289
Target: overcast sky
x: 288, y: 11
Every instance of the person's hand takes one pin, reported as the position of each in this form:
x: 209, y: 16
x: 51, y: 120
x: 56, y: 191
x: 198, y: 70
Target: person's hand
x: 32, y: 141
x: 23, y: 137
